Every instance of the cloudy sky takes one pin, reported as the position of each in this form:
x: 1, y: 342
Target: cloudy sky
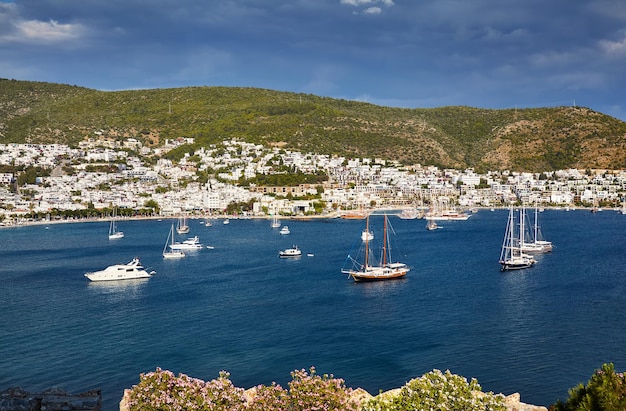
x: 400, y: 53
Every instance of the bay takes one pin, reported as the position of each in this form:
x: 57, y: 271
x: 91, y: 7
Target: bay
x: 240, y: 308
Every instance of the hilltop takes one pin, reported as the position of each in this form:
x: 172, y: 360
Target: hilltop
x: 533, y: 139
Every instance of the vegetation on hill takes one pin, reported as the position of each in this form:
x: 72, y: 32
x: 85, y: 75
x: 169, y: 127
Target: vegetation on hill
x: 538, y: 139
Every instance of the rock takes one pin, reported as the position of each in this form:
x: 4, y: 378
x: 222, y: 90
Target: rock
x: 54, y: 399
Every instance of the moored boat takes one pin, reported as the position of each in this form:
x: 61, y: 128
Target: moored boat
x: 182, y: 227
x: 192, y: 243
x: 511, y: 254
x: 367, y: 269
x: 129, y: 271
x: 290, y: 252
x: 168, y: 252
x: 114, y: 232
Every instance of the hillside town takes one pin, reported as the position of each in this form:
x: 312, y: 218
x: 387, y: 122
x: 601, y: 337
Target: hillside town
x: 107, y: 174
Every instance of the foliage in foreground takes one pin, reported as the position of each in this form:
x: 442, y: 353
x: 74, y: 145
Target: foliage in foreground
x: 605, y: 391
x: 438, y: 390
x: 161, y: 390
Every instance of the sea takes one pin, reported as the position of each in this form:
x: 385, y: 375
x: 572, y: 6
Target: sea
x: 239, y: 308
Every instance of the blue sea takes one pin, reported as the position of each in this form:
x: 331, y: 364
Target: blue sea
x: 240, y: 308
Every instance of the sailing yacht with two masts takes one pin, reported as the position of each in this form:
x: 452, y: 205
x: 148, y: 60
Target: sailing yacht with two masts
x: 367, y: 268
x: 511, y: 255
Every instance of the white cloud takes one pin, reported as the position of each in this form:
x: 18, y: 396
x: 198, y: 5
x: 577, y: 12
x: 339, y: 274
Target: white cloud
x: 369, y: 10
x: 614, y: 48
x: 50, y: 31
x: 357, y: 3
x: 372, y: 10
x: 40, y: 32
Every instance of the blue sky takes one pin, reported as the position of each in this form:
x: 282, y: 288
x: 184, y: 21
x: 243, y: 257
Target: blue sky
x: 399, y: 53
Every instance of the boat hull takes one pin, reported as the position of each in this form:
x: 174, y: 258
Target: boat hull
x: 392, y: 272
x: 174, y: 254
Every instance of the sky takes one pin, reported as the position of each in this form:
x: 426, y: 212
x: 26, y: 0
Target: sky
x: 399, y: 53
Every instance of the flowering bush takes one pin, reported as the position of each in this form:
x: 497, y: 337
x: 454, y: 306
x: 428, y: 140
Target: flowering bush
x: 306, y: 392
x: 438, y: 391
x: 605, y: 391
x: 162, y: 391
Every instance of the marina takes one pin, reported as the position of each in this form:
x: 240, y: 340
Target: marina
x: 238, y: 307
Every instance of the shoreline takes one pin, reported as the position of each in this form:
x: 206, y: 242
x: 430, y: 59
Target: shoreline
x: 332, y: 215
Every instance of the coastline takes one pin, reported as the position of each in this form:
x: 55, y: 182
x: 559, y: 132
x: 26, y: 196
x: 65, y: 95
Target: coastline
x: 331, y: 215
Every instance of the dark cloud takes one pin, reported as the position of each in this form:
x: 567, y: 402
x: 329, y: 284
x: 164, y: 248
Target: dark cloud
x: 484, y: 53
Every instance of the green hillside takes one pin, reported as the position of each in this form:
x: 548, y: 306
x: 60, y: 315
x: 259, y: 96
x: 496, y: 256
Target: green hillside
x: 457, y: 137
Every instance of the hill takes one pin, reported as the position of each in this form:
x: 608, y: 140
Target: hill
x: 536, y: 139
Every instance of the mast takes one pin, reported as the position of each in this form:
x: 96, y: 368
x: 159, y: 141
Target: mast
x: 367, y: 246
x: 521, y: 227
x: 385, y: 242
x: 536, y: 226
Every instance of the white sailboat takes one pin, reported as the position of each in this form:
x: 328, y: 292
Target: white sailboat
x: 511, y: 255
x: 114, y: 232
x: 537, y: 236
x: 432, y: 225
x: 527, y: 239
x: 275, y: 222
x: 367, y: 269
x: 182, y: 227
x: 168, y: 252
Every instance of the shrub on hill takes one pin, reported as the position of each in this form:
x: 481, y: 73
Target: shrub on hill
x: 438, y: 390
x: 605, y: 391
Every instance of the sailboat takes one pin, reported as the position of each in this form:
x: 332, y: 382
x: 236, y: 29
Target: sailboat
x: 113, y: 230
x: 168, y: 252
x: 275, y: 222
x: 527, y: 237
x: 432, y: 225
x: 182, y: 227
x: 537, y: 237
x: 368, y: 269
x: 511, y: 255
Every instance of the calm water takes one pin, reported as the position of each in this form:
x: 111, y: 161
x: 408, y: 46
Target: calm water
x: 240, y: 308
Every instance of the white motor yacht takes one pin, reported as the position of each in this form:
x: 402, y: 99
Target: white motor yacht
x: 129, y: 271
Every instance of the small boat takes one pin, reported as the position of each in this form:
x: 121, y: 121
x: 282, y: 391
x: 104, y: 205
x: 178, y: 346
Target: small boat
x: 114, y: 233
x: 284, y: 230
x: 208, y: 224
x: 182, y: 227
x: 192, y: 243
x: 310, y: 254
x: 129, y: 271
x: 226, y: 221
x: 367, y: 235
x: 409, y: 214
x: 432, y: 225
x: 290, y: 252
x: 169, y: 252
x: 511, y: 255
x: 366, y: 269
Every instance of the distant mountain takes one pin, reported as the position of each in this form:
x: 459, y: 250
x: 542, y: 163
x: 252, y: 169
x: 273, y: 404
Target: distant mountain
x: 538, y: 139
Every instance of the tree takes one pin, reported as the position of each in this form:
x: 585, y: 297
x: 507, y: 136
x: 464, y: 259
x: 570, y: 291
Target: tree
x: 153, y: 205
x: 605, y: 391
